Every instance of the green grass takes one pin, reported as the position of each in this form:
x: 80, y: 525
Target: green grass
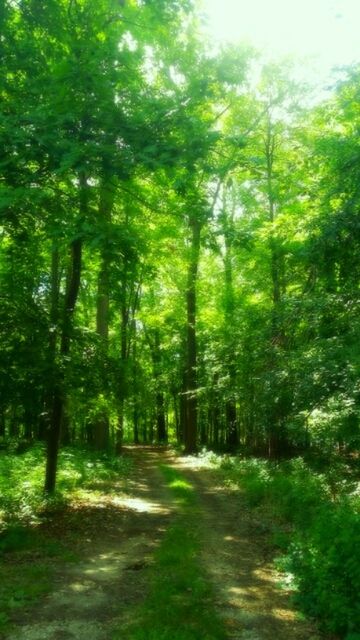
x: 179, y: 605
x: 27, y: 563
x: 28, y: 558
x: 79, y: 471
x: 314, y: 519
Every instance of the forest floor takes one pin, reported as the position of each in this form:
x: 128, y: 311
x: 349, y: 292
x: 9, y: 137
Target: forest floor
x: 114, y: 542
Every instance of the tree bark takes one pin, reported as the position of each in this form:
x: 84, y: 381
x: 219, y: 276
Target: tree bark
x: 2, y: 424
x: 71, y: 295
x: 190, y: 434
x: 107, y: 196
x: 155, y: 348
x: 232, y: 436
x: 123, y: 359
x: 276, y: 436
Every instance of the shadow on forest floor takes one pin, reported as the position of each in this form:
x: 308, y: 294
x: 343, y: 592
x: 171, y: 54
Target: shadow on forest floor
x: 112, y: 539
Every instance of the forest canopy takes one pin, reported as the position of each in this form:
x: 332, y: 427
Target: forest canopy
x: 179, y: 256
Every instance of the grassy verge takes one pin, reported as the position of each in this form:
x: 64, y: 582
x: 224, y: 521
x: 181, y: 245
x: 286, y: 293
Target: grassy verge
x: 28, y: 560
x: 314, y: 520
x: 80, y: 473
x: 179, y: 605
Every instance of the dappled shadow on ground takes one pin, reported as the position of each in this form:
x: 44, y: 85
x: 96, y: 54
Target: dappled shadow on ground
x: 114, y: 510
x: 236, y: 555
x: 113, y: 535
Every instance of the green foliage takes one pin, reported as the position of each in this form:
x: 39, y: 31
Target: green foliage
x: 21, y: 481
x: 18, y: 591
x: 322, y: 546
x: 326, y: 564
x: 36, y: 554
x: 121, y: 135
x: 23, y: 507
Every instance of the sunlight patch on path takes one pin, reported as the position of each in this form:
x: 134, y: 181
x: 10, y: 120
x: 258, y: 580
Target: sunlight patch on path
x: 120, y: 529
x: 140, y: 505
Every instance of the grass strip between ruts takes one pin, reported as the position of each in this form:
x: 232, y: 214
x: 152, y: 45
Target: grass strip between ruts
x: 179, y: 605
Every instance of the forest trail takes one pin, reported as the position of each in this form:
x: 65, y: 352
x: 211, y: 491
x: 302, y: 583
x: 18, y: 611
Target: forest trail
x: 237, y: 560
x: 115, y: 542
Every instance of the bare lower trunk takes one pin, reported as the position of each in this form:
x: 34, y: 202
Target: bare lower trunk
x: 276, y: 433
x: 191, y: 426
x: 107, y: 195
x: 71, y: 296
x: 2, y: 424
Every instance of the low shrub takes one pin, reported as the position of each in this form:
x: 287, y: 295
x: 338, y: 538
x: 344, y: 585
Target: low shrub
x: 326, y: 565
x: 318, y: 524
x: 22, y: 498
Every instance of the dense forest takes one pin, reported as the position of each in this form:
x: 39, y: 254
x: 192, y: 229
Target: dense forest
x: 179, y: 243
x: 179, y: 255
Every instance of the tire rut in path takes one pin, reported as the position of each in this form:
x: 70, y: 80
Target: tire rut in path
x: 92, y: 596
x: 245, y: 583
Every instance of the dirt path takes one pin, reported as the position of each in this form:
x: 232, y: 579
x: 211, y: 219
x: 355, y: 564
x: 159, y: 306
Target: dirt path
x: 115, y: 540
x: 249, y: 599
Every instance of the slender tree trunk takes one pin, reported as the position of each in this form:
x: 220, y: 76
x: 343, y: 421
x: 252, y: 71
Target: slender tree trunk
x: 182, y: 402
x: 28, y: 423
x: 175, y: 399
x: 45, y: 421
x: 155, y: 348
x: 107, y: 196
x: 204, y: 429
x: 151, y: 427
x: 144, y: 428
x: 123, y: 359
x: 191, y: 426
x: 160, y: 418
x: 136, y: 424
x: 276, y: 436
x: 135, y: 386
x: 2, y: 424
x: 232, y: 435
x: 227, y: 222
x: 71, y: 296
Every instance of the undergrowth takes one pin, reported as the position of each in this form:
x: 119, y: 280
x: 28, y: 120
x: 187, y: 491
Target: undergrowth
x: 22, y: 499
x: 315, y: 521
x: 179, y: 605
x: 23, y: 506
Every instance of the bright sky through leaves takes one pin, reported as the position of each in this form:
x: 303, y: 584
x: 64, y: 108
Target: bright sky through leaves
x: 326, y: 29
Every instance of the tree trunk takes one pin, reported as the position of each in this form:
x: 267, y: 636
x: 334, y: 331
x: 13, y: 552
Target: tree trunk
x: 277, y: 441
x: 190, y: 435
x: 107, y: 196
x: 160, y: 418
x: 136, y: 424
x: 176, y: 416
x: 227, y: 217
x: 123, y: 359
x: 120, y: 427
x: 2, y: 424
x: 155, y: 348
x: 49, y: 384
x: 14, y: 424
x: 71, y: 296
x: 182, y: 404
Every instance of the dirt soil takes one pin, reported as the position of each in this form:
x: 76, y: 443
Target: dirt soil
x: 115, y: 540
x: 250, y: 594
